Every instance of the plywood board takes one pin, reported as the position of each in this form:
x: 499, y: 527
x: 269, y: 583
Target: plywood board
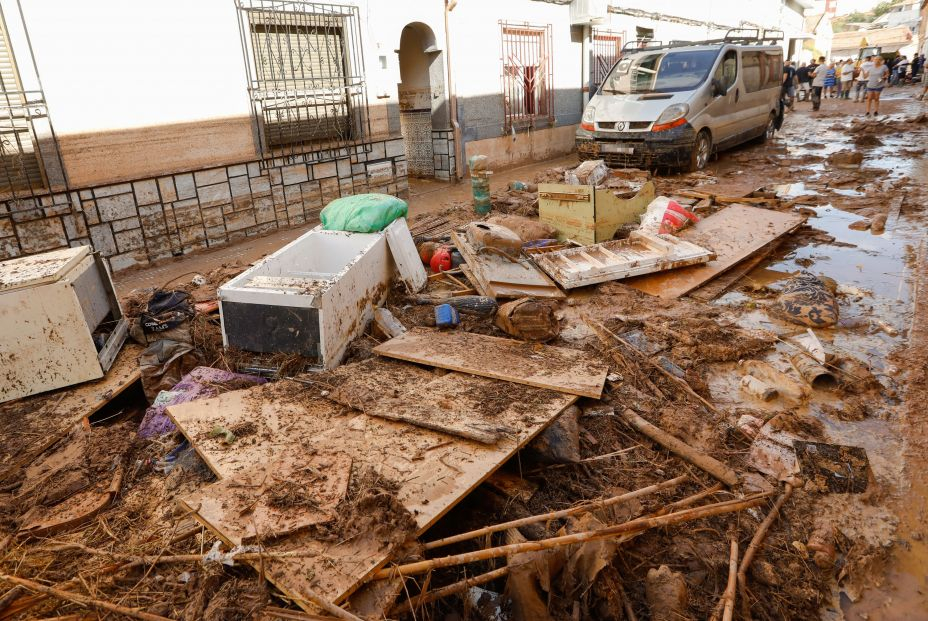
x: 29, y: 425
x: 641, y: 253
x: 555, y: 368
x: 369, y: 380
x: 275, y: 498
x: 734, y: 233
x: 719, y: 285
x: 478, y: 286
x: 456, y: 404
x: 433, y: 471
x: 499, y: 277
x: 405, y: 256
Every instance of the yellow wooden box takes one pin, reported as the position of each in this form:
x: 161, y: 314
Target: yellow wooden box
x: 588, y: 215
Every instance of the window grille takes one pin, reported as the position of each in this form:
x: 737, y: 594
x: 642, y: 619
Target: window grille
x: 527, y: 80
x: 21, y: 170
x: 305, y: 69
x: 607, y: 47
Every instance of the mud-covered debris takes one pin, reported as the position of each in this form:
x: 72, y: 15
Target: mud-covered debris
x: 821, y: 544
x: 833, y: 467
x: 806, y: 300
x: 560, y: 442
x: 667, y: 594
x: 528, y: 319
x: 846, y: 159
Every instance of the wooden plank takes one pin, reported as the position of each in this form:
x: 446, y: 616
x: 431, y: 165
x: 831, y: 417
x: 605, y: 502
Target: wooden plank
x: 734, y: 233
x: 407, y: 260
x: 641, y: 253
x: 451, y: 404
x: 30, y: 425
x: 274, y: 498
x: 433, y: 471
x: 555, y: 368
x: 719, y: 285
x: 479, y: 286
x: 895, y: 210
x: 370, y: 380
x: 503, y: 278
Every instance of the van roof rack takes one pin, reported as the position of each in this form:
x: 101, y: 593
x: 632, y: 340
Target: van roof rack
x: 738, y: 36
x: 643, y: 44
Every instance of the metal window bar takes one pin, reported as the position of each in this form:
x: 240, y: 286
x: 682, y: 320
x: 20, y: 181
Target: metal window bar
x: 306, y: 80
x: 607, y: 48
x: 527, y: 77
x: 22, y: 170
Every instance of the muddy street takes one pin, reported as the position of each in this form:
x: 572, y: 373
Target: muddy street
x: 883, y: 309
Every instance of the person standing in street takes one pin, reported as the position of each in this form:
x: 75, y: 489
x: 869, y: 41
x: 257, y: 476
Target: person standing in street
x: 789, y: 83
x: 861, y: 93
x: 830, y: 80
x: 891, y: 67
x: 902, y: 68
x: 818, y: 82
x: 876, y: 81
x: 847, y: 78
x: 802, y: 76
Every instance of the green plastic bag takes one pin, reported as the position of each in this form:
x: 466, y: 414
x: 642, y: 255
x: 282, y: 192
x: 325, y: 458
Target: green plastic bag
x: 362, y: 213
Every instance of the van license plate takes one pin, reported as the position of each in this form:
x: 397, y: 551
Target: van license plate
x: 614, y: 148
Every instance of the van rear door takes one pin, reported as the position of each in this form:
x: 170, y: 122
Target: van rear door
x: 762, y: 77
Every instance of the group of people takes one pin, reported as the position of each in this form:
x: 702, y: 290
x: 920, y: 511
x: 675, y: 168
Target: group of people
x: 838, y: 79
x: 901, y: 69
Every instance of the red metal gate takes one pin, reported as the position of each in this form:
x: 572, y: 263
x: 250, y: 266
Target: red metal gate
x: 527, y: 79
x: 607, y: 47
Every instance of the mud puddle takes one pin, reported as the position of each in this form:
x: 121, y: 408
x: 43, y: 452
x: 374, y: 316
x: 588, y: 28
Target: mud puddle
x: 875, y: 273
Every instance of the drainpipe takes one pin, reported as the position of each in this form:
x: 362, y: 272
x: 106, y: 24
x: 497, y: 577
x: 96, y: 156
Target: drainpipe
x: 585, y: 66
x: 452, y: 98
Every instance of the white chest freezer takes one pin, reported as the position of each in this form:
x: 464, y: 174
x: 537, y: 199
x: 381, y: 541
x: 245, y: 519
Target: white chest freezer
x: 60, y: 321
x: 311, y: 297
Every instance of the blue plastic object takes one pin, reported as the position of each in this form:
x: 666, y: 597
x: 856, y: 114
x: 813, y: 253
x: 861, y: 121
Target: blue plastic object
x: 446, y: 316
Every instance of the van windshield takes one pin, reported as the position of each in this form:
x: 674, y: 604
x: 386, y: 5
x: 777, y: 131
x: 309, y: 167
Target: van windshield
x: 660, y: 72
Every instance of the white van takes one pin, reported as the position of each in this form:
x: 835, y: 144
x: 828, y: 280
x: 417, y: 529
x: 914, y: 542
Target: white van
x: 674, y: 105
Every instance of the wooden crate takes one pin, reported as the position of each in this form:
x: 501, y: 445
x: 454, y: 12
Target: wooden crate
x: 587, y: 215
x: 641, y: 253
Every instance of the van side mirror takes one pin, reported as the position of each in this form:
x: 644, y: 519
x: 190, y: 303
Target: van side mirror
x: 717, y: 89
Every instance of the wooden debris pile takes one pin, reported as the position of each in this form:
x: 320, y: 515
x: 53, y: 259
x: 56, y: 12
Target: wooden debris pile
x: 545, y: 453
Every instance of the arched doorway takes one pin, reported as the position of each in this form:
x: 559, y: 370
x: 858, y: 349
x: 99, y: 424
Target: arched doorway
x: 422, y: 101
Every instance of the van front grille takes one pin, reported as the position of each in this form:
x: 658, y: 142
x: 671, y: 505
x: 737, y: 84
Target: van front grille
x: 629, y: 125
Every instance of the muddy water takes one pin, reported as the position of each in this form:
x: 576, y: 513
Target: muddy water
x: 876, y: 270
x: 874, y: 266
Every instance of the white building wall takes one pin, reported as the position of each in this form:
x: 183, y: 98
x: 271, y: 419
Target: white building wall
x: 143, y: 88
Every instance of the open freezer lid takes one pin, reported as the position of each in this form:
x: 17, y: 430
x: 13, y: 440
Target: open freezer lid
x: 38, y: 269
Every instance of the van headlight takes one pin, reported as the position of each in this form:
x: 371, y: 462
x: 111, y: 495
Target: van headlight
x: 588, y: 118
x: 673, y: 116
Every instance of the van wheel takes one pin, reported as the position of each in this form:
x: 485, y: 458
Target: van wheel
x: 702, y: 151
x: 770, y: 130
